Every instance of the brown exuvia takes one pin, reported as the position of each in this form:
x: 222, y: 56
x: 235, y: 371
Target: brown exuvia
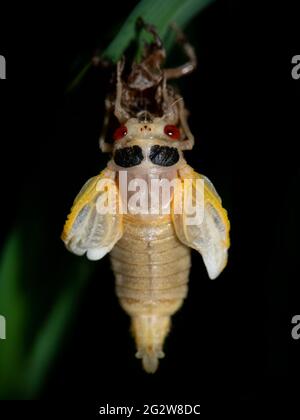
x: 149, y: 231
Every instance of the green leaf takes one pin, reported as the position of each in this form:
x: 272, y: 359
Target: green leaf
x: 24, y: 362
x: 50, y: 336
x: 157, y: 12
x: 13, y: 308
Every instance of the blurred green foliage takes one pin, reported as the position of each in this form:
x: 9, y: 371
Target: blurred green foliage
x: 26, y: 355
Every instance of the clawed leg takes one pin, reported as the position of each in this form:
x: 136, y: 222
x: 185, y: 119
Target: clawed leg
x: 114, y: 106
x: 188, y: 67
x: 187, y: 144
x: 141, y: 24
x: 175, y: 113
x: 104, y: 146
x: 120, y: 112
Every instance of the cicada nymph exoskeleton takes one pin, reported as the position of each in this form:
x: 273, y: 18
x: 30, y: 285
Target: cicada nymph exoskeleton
x: 149, y: 250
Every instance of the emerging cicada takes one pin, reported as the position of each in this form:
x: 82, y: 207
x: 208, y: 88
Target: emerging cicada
x: 150, y: 251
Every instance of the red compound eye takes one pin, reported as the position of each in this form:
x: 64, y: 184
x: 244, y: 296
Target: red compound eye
x: 120, y: 132
x: 172, y: 131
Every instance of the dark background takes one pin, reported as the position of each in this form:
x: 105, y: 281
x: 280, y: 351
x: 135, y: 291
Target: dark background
x: 231, y: 341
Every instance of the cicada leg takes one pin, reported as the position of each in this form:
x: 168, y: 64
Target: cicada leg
x: 106, y: 147
x: 189, y: 66
x: 120, y: 112
x: 187, y: 144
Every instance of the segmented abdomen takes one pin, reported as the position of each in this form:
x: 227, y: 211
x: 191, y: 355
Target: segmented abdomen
x: 151, y: 269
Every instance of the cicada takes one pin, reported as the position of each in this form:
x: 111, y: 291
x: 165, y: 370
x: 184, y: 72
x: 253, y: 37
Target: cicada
x: 146, y: 133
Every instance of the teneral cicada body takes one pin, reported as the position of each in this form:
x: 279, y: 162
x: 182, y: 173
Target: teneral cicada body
x: 136, y: 208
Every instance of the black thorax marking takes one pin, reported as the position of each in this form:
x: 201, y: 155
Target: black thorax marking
x: 128, y: 156
x: 164, y: 155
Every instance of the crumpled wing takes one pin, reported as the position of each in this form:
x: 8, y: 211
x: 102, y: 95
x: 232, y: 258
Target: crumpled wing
x: 88, y: 231
x: 210, y: 237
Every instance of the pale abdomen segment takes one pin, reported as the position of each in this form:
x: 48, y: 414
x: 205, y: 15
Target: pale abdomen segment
x: 151, y: 269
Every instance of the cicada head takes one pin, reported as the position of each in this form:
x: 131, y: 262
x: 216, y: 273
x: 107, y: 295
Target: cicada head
x: 148, y: 141
x: 148, y: 109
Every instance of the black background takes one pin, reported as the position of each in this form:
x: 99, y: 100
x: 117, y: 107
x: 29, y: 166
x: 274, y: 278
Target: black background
x: 231, y: 341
